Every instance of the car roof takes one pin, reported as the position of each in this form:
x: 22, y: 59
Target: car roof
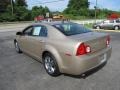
x: 50, y: 23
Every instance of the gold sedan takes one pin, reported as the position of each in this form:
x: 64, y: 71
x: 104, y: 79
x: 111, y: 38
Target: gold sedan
x: 64, y: 47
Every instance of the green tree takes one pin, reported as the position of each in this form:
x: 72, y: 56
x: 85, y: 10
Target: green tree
x: 3, y: 5
x: 78, y: 4
x: 20, y: 2
x: 22, y: 13
x: 36, y: 11
x: 6, y: 16
x: 77, y: 7
x: 46, y: 10
x: 20, y: 10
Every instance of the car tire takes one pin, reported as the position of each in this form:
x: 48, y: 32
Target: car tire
x: 17, y: 48
x: 97, y: 27
x: 50, y: 65
x: 116, y: 28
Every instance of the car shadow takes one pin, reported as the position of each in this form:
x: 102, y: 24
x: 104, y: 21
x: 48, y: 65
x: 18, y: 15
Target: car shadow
x: 82, y: 76
x: 88, y: 73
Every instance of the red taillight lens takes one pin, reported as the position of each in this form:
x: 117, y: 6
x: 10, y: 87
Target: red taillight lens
x: 83, y: 49
x: 108, y: 41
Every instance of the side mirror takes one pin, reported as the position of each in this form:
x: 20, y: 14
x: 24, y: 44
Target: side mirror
x: 19, y: 33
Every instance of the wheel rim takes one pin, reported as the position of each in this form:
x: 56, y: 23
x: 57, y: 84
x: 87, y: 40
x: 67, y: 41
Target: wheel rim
x: 98, y: 27
x: 16, y: 46
x: 116, y: 28
x: 49, y: 65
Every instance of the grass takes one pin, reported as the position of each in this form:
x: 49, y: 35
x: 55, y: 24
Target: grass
x: 88, y: 25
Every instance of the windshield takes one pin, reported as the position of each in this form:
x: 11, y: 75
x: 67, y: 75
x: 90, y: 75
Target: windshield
x: 71, y: 29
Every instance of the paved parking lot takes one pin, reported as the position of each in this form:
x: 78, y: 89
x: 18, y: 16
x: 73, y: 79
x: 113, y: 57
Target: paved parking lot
x: 20, y: 72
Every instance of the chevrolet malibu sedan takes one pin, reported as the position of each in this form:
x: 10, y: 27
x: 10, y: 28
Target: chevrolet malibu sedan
x: 64, y: 47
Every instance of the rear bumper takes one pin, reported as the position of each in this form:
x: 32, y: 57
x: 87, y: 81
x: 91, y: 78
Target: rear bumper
x: 81, y: 64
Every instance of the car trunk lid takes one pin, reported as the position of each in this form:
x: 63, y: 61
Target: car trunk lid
x: 96, y: 41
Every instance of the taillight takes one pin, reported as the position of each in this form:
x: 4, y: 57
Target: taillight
x: 108, y: 41
x: 83, y: 49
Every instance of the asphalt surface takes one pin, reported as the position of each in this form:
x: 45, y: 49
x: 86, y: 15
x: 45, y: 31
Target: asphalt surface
x: 21, y: 72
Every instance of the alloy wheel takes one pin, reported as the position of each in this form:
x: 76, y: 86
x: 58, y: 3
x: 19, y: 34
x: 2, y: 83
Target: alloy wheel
x: 49, y: 65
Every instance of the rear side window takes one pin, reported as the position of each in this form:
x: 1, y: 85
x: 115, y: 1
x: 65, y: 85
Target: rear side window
x: 43, y: 31
x: 71, y: 28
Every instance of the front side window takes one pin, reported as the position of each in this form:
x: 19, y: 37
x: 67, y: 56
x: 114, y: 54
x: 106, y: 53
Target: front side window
x: 36, y: 31
x: 111, y: 21
x: 28, y: 31
x: 107, y: 21
x: 39, y: 31
x: 71, y: 29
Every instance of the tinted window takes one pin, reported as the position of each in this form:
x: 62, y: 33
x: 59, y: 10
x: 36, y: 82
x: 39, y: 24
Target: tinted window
x: 43, y: 31
x: 71, y: 28
x: 28, y: 31
x: 117, y: 21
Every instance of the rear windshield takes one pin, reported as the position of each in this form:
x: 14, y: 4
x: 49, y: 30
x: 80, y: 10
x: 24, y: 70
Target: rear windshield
x: 71, y: 28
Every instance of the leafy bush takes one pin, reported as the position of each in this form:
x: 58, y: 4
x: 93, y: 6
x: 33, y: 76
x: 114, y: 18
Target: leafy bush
x: 7, y: 17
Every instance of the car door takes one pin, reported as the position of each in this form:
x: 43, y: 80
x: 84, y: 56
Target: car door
x: 24, y: 39
x: 33, y: 40
x: 106, y: 24
x: 111, y: 24
x: 37, y: 41
x: 103, y: 24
